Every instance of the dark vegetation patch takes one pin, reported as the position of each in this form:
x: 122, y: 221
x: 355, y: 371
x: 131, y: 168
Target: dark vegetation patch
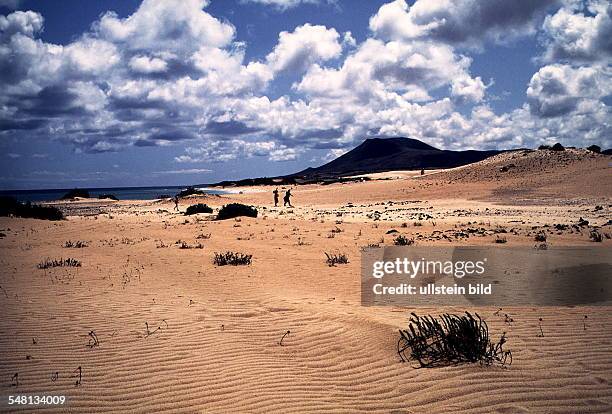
x: 79, y: 244
x: 190, y: 191
x: 197, y: 209
x: 596, y: 236
x: 236, y: 210
x: 11, y: 207
x: 68, y: 262
x: 232, y: 258
x: 334, y: 259
x: 402, y: 240
x: 594, y: 148
x: 449, y: 340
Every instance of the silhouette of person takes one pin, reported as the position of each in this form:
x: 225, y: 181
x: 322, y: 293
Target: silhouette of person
x: 286, y: 199
x: 275, y: 192
x: 422, y: 171
x: 176, y: 201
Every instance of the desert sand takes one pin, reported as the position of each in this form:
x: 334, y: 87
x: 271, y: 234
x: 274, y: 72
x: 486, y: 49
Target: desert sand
x: 213, y: 340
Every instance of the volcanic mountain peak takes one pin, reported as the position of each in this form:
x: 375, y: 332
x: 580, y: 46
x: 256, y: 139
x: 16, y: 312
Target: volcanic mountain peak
x: 396, y: 153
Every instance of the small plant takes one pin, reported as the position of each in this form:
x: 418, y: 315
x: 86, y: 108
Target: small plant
x: 236, y: 210
x: 334, y: 259
x: 596, y: 236
x: 68, y: 262
x: 78, y: 374
x: 93, y: 340
x: 540, y: 237
x: 449, y: 340
x: 75, y: 245
x: 197, y: 209
x: 232, y: 258
x: 403, y: 241
x: 281, y: 341
x: 185, y: 245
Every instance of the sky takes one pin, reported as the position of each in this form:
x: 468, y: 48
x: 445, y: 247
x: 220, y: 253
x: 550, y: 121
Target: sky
x: 131, y: 93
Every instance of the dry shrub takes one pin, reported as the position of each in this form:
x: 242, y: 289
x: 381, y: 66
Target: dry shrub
x: 450, y: 340
x: 232, y: 258
x: 334, y: 259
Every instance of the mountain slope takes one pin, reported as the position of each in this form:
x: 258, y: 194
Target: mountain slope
x: 388, y: 154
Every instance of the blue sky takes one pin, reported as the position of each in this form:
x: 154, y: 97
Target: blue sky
x: 121, y: 93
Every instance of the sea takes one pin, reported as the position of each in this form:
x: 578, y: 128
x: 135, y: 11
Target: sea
x: 122, y: 193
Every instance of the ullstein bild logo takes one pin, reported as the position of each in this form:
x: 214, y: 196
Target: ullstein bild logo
x: 491, y: 276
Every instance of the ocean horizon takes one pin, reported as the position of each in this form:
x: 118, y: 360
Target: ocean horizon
x: 122, y: 193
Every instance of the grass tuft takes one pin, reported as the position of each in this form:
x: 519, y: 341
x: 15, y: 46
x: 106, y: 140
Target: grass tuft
x: 68, y: 262
x: 232, y: 258
x: 449, y: 340
x: 334, y: 259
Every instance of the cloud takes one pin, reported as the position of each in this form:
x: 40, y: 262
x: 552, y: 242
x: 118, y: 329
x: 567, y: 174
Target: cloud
x: 462, y: 22
x: 307, y: 44
x: 558, y: 89
x: 408, y: 69
x: 282, y: 5
x: 145, y: 64
x: 220, y: 151
x: 171, y: 73
x: 579, y: 34
x: 184, y: 171
x: 179, y: 26
x: 333, y: 154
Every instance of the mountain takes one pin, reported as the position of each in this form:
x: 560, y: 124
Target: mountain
x: 374, y: 155
x: 389, y: 154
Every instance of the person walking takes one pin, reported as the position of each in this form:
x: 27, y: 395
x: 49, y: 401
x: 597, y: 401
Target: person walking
x: 275, y: 192
x: 176, y: 202
x: 287, y: 198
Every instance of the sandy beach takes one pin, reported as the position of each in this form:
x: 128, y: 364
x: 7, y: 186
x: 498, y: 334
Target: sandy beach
x: 178, y: 334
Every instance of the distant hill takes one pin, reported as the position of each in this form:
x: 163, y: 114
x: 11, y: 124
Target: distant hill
x: 371, y: 156
x: 389, y: 154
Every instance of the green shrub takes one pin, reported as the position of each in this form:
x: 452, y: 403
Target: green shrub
x: 11, y: 207
x: 236, y: 210
x: 198, y: 208
x: 557, y: 147
x: 594, y: 148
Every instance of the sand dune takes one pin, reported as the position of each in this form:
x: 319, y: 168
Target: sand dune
x: 217, y: 347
